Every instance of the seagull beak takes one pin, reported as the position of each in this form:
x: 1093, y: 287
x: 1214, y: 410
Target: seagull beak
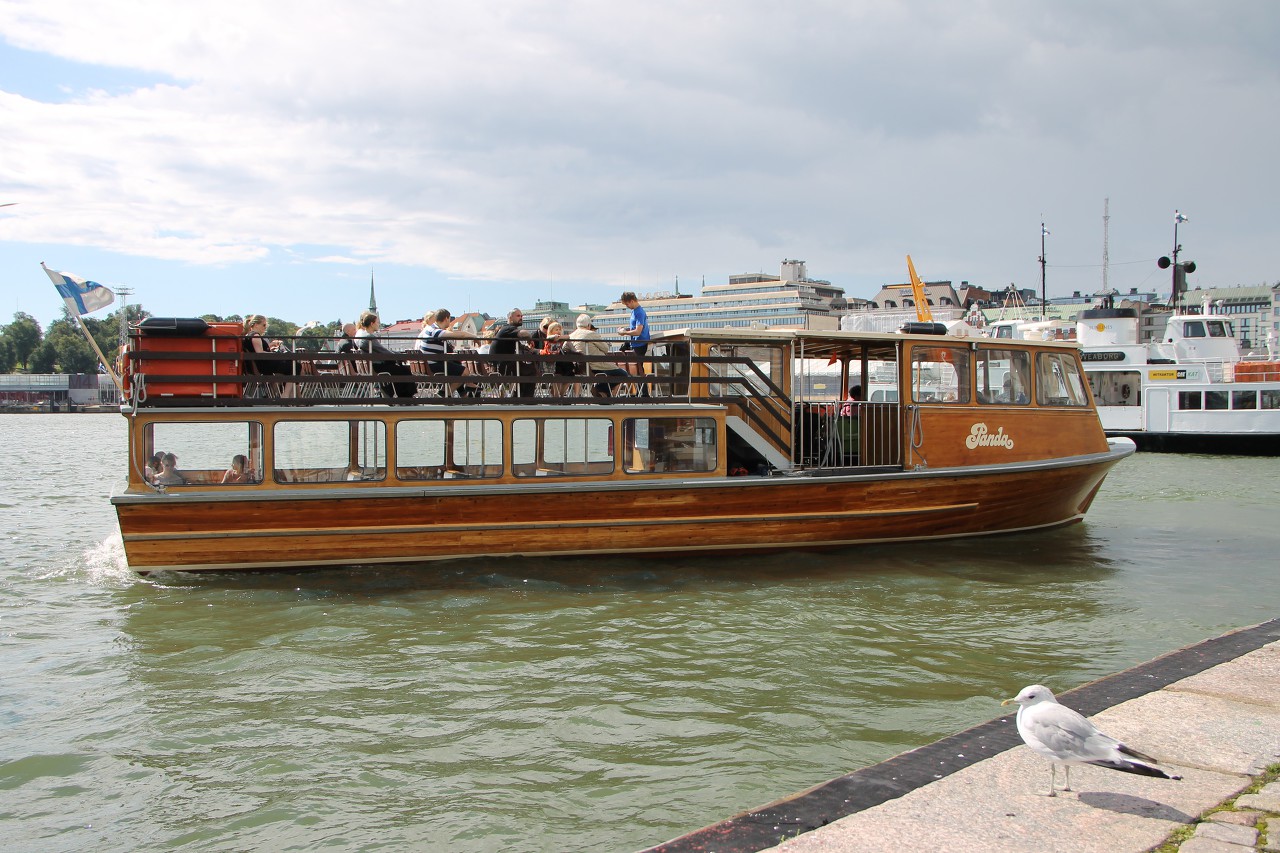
x: 1007, y: 702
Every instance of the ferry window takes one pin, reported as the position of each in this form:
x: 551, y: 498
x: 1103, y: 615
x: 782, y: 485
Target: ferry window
x: 748, y: 369
x: 1216, y: 400
x: 669, y: 445
x: 1190, y: 401
x: 1244, y: 399
x: 448, y: 449
x: 558, y: 447
x: 1004, y: 376
x: 1058, y: 380
x: 1193, y: 329
x: 330, y: 451
x: 1271, y: 400
x: 940, y: 374
x: 205, y: 452
x: 1218, y: 329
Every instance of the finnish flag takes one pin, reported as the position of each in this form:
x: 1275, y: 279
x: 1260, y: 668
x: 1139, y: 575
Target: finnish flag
x: 82, y: 297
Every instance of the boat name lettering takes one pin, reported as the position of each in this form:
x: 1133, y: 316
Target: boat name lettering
x: 1168, y: 374
x: 980, y: 436
x: 1109, y: 355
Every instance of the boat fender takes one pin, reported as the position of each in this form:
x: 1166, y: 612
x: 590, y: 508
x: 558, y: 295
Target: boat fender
x: 921, y: 328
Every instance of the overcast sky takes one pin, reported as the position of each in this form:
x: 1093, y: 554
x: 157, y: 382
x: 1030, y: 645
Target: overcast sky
x: 266, y: 157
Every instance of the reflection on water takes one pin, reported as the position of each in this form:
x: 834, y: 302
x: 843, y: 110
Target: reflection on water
x: 525, y: 704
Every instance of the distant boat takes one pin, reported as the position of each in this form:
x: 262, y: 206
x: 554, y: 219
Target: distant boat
x: 731, y: 450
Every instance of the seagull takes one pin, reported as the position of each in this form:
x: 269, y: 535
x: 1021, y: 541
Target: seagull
x: 1064, y: 737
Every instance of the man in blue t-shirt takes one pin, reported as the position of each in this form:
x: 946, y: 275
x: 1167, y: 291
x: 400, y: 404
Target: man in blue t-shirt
x: 638, y: 332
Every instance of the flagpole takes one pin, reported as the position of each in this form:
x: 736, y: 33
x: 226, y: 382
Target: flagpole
x: 102, y: 358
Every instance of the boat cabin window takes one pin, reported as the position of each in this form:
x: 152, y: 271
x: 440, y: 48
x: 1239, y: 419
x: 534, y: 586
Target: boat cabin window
x: 940, y: 374
x: 1271, y: 399
x: 1216, y: 401
x: 1193, y: 329
x: 558, y: 447
x: 669, y: 445
x: 206, y: 453
x: 747, y: 369
x: 448, y: 449
x: 1059, y: 381
x: 1218, y: 329
x: 330, y: 451
x: 1190, y: 401
x: 1004, y: 376
x: 1244, y: 399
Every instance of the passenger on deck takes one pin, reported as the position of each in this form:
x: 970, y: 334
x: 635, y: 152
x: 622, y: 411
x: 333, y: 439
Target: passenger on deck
x: 507, y: 341
x: 347, y: 342
x: 169, y: 475
x: 556, y: 340
x: 367, y: 342
x: 637, y: 333
x: 585, y: 340
x: 256, y: 343
x: 434, y: 340
x: 238, y: 472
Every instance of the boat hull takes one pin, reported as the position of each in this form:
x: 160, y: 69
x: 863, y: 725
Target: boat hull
x: 1225, y: 444
x: 194, y: 532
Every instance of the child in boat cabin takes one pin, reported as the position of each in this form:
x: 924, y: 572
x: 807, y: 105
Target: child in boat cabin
x: 152, y: 469
x: 169, y: 475
x: 238, y: 472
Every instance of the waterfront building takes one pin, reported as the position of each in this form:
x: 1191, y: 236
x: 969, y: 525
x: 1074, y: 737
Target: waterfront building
x: 790, y: 300
x: 25, y: 391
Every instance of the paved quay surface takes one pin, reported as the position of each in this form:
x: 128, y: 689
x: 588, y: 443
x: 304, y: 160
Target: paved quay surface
x: 1210, y: 713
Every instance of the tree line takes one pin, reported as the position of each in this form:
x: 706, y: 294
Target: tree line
x: 26, y: 347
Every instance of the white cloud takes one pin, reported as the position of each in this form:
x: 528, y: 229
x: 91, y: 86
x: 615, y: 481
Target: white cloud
x: 503, y: 140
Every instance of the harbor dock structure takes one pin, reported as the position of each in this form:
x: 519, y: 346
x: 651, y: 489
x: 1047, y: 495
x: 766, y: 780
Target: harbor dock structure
x: 1210, y: 713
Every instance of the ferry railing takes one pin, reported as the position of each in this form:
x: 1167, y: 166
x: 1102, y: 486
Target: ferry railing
x: 847, y: 433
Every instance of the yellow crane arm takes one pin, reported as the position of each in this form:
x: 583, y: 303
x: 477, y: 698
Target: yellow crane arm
x: 923, y: 312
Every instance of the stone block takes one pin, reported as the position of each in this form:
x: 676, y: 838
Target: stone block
x: 1208, y: 845
x: 1245, y: 836
x: 1261, y: 802
x: 1245, y: 818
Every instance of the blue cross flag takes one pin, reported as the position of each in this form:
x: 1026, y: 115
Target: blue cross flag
x: 82, y: 297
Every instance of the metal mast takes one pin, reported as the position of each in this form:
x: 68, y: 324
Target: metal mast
x: 1106, y: 242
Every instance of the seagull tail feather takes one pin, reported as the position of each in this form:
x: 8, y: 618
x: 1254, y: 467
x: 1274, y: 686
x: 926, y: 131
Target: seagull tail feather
x: 1137, y: 767
x: 1133, y: 753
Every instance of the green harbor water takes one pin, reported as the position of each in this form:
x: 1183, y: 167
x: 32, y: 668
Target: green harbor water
x: 545, y: 705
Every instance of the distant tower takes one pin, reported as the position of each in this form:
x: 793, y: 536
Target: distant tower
x: 1106, y: 242
x: 373, y: 302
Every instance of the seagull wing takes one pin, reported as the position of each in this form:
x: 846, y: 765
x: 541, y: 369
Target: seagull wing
x: 1060, y: 733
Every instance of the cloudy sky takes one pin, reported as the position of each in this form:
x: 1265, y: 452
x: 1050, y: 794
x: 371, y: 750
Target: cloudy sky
x: 267, y: 157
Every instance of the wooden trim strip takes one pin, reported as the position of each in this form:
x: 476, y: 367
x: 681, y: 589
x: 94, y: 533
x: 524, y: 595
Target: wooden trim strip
x: 349, y: 530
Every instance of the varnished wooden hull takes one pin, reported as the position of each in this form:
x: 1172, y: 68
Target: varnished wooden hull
x: 192, y: 532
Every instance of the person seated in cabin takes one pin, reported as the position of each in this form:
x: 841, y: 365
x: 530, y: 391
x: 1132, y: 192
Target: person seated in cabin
x: 238, y: 472
x: 169, y: 475
x: 586, y: 340
x: 848, y: 424
x: 434, y: 341
x: 387, y: 360
x: 510, y: 339
x: 152, y: 469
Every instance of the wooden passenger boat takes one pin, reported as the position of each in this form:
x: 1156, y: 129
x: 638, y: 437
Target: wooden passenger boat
x: 742, y: 442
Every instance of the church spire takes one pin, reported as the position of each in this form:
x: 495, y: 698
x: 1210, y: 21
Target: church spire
x: 373, y: 302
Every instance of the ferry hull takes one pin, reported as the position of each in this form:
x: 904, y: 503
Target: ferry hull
x: 1225, y: 444
x: 194, y: 532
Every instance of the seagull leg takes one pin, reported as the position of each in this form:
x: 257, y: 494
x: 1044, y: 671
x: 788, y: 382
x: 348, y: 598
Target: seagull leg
x: 1066, y: 768
x: 1053, y: 775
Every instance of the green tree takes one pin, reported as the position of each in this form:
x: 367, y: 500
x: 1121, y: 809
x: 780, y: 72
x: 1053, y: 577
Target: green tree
x: 25, y: 335
x: 44, y: 358
x: 8, y: 359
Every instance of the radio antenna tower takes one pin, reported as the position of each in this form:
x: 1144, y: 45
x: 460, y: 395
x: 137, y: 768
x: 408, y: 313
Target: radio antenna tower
x: 1106, y: 242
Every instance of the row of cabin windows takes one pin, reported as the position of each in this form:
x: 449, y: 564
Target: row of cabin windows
x: 329, y: 451
x: 1218, y: 401
x: 999, y: 376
